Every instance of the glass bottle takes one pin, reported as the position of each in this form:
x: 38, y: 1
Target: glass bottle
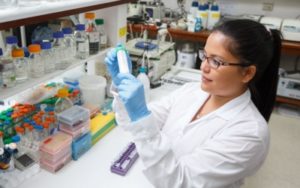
x: 8, y: 73
x: 69, y: 41
x: 60, y: 55
x: 103, y: 36
x: 1, y: 66
x: 82, y: 42
x: 11, y: 44
x: 63, y: 102
x: 21, y: 65
x: 47, y: 56
x: 92, y: 33
x: 36, y: 63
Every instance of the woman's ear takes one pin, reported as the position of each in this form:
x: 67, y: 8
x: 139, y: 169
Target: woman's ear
x: 248, y: 73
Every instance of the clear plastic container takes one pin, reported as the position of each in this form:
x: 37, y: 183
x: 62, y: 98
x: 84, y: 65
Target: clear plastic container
x: 47, y: 56
x: 36, y: 63
x: 93, y: 34
x: 82, y: 42
x: 21, y: 65
x: 69, y: 41
x: 63, y: 102
x: 74, y: 116
x: 103, y: 37
x: 61, y: 57
x: 11, y: 44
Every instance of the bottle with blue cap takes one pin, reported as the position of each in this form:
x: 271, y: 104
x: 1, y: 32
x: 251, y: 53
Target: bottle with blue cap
x: 194, y: 8
x: 11, y: 44
x: 69, y: 41
x: 214, y: 16
x: 142, y: 76
x: 60, y: 55
x: 203, y: 14
x: 47, y: 56
x: 82, y: 42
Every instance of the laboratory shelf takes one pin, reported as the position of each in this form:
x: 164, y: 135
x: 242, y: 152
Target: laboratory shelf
x: 26, y: 15
x: 35, y: 82
x: 288, y: 47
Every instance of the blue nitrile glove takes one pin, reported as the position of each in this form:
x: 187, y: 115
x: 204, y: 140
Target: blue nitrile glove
x: 131, y: 92
x: 111, y: 62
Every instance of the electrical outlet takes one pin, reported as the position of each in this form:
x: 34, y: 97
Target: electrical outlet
x: 267, y: 6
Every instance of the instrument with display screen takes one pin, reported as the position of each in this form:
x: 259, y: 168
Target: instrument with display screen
x: 289, y: 86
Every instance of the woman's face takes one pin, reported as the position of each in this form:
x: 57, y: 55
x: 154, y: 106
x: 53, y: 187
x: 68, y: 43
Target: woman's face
x: 224, y: 81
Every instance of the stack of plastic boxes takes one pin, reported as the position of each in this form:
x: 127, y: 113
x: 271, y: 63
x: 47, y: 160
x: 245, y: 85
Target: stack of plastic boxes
x: 75, y: 121
x: 55, y: 152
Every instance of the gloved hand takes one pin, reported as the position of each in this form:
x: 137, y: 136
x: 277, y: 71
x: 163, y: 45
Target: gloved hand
x: 131, y: 92
x: 111, y: 62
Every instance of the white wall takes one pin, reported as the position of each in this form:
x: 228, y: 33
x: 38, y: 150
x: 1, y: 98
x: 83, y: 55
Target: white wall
x: 282, y: 8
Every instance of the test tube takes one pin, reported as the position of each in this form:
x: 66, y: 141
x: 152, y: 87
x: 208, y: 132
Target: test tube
x: 1, y: 139
x: 20, y: 132
x: 38, y: 133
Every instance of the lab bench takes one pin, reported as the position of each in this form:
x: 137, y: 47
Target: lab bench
x: 288, y: 47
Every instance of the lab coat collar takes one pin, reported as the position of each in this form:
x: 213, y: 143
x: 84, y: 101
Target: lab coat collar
x: 235, y: 106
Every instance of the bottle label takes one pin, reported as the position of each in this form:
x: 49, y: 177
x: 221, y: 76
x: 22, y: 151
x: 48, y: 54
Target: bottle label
x: 94, y: 37
x: 83, y: 46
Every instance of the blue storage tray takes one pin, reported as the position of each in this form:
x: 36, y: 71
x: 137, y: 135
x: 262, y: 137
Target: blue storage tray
x: 81, y: 145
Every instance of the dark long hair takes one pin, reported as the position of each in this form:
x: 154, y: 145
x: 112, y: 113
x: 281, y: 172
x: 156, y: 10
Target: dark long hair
x: 252, y: 43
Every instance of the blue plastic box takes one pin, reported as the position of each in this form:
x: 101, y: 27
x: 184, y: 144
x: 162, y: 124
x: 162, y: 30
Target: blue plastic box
x: 81, y: 145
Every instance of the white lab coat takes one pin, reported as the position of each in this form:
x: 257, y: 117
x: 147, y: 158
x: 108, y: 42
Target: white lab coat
x: 216, y: 151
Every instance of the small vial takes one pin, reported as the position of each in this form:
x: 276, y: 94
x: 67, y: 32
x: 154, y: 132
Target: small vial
x: 21, y: 65
x: 36, y: 63
x: 82, y: 42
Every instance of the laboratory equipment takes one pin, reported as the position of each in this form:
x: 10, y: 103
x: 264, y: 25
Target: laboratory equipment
x: 186, y: 56
x: 154, y: 10
x: 69, y: 41
x: 142, y: 77
x: 194, y: 8
x: 11, y: 44
x: 63, y: 102
x: 290, y: 29
x: 20, y: 64
x: 81, y: 145
x: 1, y: 66
x: 101, y: 124
x: 125, y: 160
x: 55, y: 152
x: 289, y: 86
x: 82, y: 42
x: 47, y: 56
x: 271, y: 22
x: 60, y: 57
x: 214, y: 16
x: 160, y: 59
x: 122, y: 57
x: 203, y: 14
x: 93, y: 34
x: 103, y: 37
x: 36, y: 62
x: 135, y: 9
x: 92, y: 88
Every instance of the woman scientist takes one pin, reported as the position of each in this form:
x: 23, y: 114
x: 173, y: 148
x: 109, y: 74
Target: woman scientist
x: 211, y: 134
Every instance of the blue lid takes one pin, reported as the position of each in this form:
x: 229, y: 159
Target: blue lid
x: 1, y: 52
x: 202, y: 7
x: 67, y: 30
x: 214, y: 7
x: 80, y: 27
x: 26, y: 52
x: 58, y: 34
x: 206, y: 6
x: 11, y: 40
x: 46, y: 45
x: 195, y: 4
x: 38, y: 127
x: 143, y: 69
x: 16, y: 138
